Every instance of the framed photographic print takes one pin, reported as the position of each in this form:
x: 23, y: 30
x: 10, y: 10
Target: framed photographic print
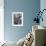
x: 17, y: 18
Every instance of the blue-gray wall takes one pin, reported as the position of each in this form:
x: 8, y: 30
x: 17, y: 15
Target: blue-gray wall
x: 29, y: 8
x: 43, y: 6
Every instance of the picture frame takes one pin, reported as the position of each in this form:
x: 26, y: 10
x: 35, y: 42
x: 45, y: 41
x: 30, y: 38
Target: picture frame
x: 17, y: 18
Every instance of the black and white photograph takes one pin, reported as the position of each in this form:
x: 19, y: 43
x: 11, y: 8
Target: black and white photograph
x: 17, y: 18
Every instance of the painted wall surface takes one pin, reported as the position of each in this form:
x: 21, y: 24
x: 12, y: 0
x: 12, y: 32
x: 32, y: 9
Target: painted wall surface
x: 28, y: 7
x: 43, y: 6
x: 1, y: 20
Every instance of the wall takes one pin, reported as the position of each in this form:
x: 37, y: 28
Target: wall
x: 43, y: 6
x: 29, y: 8
x: 1, y: 20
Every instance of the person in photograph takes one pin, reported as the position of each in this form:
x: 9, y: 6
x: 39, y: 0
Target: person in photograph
x: 17, y: 19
